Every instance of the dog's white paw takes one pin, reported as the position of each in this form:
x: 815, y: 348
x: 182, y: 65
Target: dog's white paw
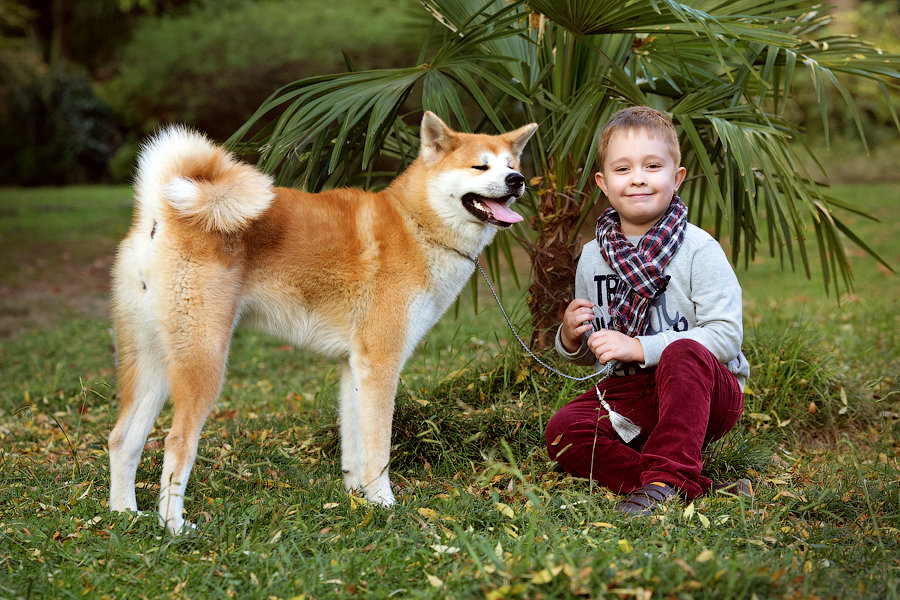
x: 120, y: 504
x: 176, y: 526
x: 353, y: 481
x: 379, y: 492
x: 135, y: 515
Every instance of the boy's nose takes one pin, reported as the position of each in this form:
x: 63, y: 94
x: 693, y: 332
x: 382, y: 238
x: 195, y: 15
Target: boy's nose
x: 638, y: 177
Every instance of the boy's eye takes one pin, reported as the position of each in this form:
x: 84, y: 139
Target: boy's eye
x: 480, y: 167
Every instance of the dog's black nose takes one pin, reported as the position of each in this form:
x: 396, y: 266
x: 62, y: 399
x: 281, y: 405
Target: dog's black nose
x: 514, y: 179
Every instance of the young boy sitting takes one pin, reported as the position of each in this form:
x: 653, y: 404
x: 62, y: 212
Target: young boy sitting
x: 657, y: 295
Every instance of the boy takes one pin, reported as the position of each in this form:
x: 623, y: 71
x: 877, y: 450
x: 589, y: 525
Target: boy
x: 657, y: 295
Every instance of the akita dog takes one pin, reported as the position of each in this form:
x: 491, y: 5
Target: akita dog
x: 356, y: 275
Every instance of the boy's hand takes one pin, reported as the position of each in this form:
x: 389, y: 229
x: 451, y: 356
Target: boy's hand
x: 610, y: 345
x: 576, y: 322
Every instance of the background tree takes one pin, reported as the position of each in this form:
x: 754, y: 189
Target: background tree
x: 724, y: 71
x: 53, y: 127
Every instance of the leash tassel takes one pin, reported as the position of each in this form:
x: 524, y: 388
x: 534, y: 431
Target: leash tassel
x: 622, y: 425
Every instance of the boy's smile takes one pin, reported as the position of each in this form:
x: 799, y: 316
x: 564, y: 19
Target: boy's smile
x: 639, y: 176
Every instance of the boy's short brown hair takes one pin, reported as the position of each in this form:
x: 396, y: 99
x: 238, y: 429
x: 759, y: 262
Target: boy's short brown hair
x: 640, y: 118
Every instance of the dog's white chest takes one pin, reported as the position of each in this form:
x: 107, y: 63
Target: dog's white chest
x: 423, y: 314
x: 448, y: 278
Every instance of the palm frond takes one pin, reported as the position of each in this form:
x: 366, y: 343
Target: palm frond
x: 325, y: 124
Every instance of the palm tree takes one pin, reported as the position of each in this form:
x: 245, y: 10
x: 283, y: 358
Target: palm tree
x: 724, y: 71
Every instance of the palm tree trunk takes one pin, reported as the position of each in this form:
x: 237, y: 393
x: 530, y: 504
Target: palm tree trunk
x: 553, y: 261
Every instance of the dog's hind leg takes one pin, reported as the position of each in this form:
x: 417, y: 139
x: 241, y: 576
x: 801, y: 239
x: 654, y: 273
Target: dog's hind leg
x: 196, y: 366
x: 143, y: 388
x: 196, y: 378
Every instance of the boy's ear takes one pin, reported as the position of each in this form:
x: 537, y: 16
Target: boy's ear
x: 679, y: 177
x: 598, y: 177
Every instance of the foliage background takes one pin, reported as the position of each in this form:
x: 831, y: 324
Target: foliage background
x: 81, y: 82
x: 208, y: 64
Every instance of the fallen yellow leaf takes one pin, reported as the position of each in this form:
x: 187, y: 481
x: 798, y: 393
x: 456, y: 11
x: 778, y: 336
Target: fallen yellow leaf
x: 704, y: 520
x: 506, y: 591
x: 705, y: 556
x: 428, y: 513
x: 686, y: 567
x: 542, y: 576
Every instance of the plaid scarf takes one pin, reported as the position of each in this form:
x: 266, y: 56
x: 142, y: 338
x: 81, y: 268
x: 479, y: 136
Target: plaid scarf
x: 641, y: 266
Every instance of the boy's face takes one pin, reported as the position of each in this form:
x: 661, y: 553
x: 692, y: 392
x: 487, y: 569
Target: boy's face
x: 639, y: 176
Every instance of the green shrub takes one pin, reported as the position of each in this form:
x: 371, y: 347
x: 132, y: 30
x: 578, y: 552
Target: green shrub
x: 56, y: 131
x: 123, y: 162
x: 466, y: 417
x: 793, y: 380
x: 212, y: 66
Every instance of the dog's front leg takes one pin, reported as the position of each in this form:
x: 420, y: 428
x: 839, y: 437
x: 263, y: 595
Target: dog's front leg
x: 368, y: 387
x: 352, y: 452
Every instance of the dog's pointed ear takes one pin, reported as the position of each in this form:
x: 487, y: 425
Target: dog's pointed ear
x: 519, y: 137
x: 436, y: 139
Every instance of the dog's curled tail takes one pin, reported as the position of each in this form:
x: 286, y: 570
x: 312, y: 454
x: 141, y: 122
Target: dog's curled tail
x: 200, y: 181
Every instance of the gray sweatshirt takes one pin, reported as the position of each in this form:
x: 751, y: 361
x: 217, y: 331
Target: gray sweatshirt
x: 702, y: 302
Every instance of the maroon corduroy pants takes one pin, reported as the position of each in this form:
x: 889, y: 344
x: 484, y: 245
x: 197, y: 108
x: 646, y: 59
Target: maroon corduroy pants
x: 688, y: 401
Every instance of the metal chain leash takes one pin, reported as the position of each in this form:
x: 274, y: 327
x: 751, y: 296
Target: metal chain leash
x: 622, y: 425
x: 602, y: 373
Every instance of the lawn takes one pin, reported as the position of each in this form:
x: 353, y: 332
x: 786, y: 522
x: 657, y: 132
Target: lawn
x: 481, y: 511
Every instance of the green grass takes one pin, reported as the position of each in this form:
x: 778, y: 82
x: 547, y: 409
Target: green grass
x: 481, y: 511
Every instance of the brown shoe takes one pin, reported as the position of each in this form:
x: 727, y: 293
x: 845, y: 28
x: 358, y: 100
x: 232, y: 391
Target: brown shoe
x: 741, y: 487
x: 645, y: 500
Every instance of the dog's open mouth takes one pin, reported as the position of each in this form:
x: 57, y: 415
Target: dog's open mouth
x: 493, y: 211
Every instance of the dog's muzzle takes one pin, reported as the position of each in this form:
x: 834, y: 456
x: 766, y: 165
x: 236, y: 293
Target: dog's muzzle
x: 495, y: 211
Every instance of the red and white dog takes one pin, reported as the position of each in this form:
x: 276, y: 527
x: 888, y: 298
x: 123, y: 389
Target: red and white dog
x: 356, y: 275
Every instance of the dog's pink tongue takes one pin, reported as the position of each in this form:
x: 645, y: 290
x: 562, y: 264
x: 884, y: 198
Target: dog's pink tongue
x: 502, y: 212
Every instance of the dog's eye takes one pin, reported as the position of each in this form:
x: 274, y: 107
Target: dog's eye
x: 480, y: 167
